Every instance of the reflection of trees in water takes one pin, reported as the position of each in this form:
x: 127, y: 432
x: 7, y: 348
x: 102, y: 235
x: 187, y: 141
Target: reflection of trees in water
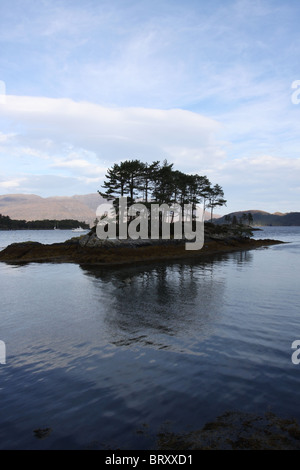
x: 167, y: 305
x: 243, y: 257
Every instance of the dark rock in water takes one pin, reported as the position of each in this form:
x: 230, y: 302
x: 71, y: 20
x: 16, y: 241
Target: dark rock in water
x: 42, y: 433
x: 237, y: 431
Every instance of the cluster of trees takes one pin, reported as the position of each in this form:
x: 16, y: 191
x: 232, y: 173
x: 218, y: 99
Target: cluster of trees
x: 6, y: 223
x: 159, y: 183
x: 243, y: 219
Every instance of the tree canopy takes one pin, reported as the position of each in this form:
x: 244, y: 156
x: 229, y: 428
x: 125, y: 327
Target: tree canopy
x: 159, y: 183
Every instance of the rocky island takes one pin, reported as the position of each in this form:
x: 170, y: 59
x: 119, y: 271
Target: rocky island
x: 89, y: 249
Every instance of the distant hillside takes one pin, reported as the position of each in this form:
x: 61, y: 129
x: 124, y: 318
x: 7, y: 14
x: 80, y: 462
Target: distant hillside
x: 262, y: 218
x: 6, y: 223
x: 31, y: 207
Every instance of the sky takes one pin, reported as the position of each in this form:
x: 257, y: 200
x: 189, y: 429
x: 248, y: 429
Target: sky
x: 213, y: 87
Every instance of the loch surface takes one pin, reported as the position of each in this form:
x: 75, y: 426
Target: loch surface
x: 106, y: 358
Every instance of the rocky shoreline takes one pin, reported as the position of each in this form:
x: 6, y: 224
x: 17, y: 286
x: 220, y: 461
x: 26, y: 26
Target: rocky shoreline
x: 89, y: 249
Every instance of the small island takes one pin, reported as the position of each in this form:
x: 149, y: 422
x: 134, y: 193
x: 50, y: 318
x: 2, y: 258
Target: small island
x: 89, y: 249
x: 176, y: 195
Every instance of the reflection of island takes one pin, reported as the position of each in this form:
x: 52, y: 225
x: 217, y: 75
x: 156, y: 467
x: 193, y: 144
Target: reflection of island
x: 170, y: 306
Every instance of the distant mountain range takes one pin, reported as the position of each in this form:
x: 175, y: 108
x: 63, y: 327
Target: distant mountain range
x: 83, y: 208
x: 32, y: 207
x: 262, y: 218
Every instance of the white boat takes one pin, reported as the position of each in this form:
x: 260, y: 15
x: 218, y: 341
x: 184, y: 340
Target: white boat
x: 79, y: 229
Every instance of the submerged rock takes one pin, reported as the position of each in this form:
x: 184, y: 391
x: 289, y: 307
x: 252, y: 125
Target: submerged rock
x: 237, y: 431
x: 42, y: 433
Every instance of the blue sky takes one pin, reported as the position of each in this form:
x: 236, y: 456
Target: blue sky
x: 207, y: 85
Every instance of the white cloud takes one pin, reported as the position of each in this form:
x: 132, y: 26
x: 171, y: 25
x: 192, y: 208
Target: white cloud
x: 80, y: 166
x: 68, y: 143
x: 261, y: 182
x: 80, y: 140
x: 76, y: 163
x: 12, y: 184
x: 5, y: 138
x: 112, y: 133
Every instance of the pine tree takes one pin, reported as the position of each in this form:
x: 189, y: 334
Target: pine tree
x: 131, y: 171
x: 216, y: 198
x: 148, y: 180
x: 164, y: 185
x: 114, y: 186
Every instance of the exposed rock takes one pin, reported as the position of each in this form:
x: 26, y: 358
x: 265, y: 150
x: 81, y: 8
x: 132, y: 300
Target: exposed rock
x: 91, y: 240
x: 237, y: 431
x: 42, y: 433
x: 90, y: 249
x: 109, y: 252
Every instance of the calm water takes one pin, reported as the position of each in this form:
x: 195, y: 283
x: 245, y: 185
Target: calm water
x: 43, y: 236
x: 107, y: 357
